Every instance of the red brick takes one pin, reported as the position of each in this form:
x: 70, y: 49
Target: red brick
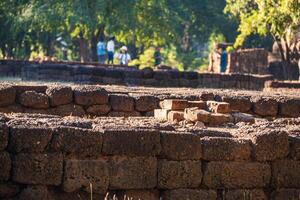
x: 174, y: 104
x: 98, y: 110
x: 198, y: 104
x: 67, y: 110
x: 295, y: 147
x: 46, y: 169
x: 146, y: 103
x: 265, y: 106
x: 120, y: 102
x: 175, y: 116
x: 190, y: 194
x: 290, y: 108
x: 133, y: 173
x: 286, y: 174
x: 5, y: 166
x: 221, y: 148
x: 195, y: 114
x: 33, y: 99
x: 216, y: 119
x: 60, y: 95
x: 179, y: 174
x: 218, y: 107
x: 184, y: 146
x: 3, y: 136
x: 237, y: 175
x: 90, y: 95
x: 81, y: 173
x: 246, y: 194
x: 131, y: 142
x: 238, y: 103
x: 161, y: 114
x: 7, y: 95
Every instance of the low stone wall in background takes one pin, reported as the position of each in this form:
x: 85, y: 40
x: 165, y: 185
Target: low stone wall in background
x: 128, y: 76
x: 92, y: 100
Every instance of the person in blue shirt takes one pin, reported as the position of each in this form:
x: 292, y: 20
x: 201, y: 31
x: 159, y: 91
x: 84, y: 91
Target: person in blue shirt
x: 101, y: 52
x: 223, y: 61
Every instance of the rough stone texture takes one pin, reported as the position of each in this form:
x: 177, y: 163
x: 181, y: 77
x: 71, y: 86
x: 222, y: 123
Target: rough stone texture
x: 246, y: 194
x: 146, y: 103
x: 3, y: 136
x: 295, y: 147
x: 190, y: 194
x: 98, y: 110
x: 68, y: 110
x: 5, y: 166
x: 77, y: 142
x: 8, y: 190
x: 161, y: 114
x: 174, y: 104
x: 218, y: 107
x: 7, y: 95
x: 29, y: 139
x: 133, y: 173
x: 270, y: 145
x: 264, y: 106
x: 180, y: 146
x: 33, y: 99
x: 90, y: 95
x: 120, y: 102
x: 46, y: 169
x: 131, y: 142
x: 179, y: 174
x: 236, y: 175
x: 285, y: 194
x: 217, y: 148
x: 124, y: 114
x: 243, y: 117
x: 286, y: 174
x: 81, y: 173
x: 238, y: 103
x: 290, y: 108
x: 140, y: 195
x: 35, y: 192
x: 15, y: 108
x: 199, y: 104
x: 195, y: 114
x: 216, y: 119
x: 60, y: 95
x: 174, y: 116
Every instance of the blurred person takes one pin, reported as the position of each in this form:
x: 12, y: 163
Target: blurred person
x: 124, y: 56
x: 111, y: 50
x: 101, y: 52
x: 157, y: 57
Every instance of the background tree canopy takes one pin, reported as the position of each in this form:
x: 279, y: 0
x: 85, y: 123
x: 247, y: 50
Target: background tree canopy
x: 185, y: 29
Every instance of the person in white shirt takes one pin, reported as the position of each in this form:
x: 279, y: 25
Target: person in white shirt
x: 111, y: 50
x: 124, y: 56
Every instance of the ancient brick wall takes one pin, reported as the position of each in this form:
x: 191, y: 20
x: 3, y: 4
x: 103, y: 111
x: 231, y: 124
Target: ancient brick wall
x: 129, y: 76
x: 46, y: 161
x: 96, y: 101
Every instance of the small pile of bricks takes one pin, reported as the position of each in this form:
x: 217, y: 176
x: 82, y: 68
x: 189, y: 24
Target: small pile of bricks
x: 208, y: 112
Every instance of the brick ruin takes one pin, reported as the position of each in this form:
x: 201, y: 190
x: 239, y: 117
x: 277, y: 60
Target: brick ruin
x: 116, y: 142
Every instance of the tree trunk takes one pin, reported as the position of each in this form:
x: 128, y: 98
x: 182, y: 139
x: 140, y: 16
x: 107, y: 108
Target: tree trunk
x: 98, y: 36
x: 83, y: 50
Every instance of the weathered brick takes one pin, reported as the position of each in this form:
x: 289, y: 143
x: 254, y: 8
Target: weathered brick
x: 264, y: 106
x: 295, y: 147
x: 179, y: 174
x: 46, y: 169
x: 35, y: 192
x: 216, y: 119
x: 3, y: 136
x: 60, y: 95
x: 77, y: 142
x: 174, y: 104
x: 146, y: 103
x: 98, y: 110
x: 8, y: 190
x: 270, y: 145
x: 290, y: 108
x: 90, y: 95
x: 207, y: 96
x: 5, y: 166
x: 238, y: 103
x: 83, y: 173
x: 7, y: 95
x: 140, y: 195
x: 133, y: 173
x: 218, y: 107
x: 195, y: 114
x: 243, y: 117
x: 285, y: 194
x: 121, y: 102
x: 190, y: 194
x: 33, y: 99
x: 184, y: 146
x: 68, y: 110
x: 245, y: 194
x: 286, y: 174
x: 222, y: 148
x: 198, y: 104
x: 175, y: 116
x: 131, y: 142
x: 29, y: 139
x: 236, y: 175
x: 161, y: 114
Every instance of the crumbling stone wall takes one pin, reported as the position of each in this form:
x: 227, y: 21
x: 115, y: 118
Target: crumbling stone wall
x: 46, y: 161
x: 96, y: 101
x: 129, y: 76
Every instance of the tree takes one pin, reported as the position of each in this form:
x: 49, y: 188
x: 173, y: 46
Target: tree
x: 280, y: 18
